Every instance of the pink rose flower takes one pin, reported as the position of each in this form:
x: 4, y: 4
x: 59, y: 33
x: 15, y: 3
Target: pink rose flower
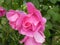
x: 29, y: 41
x: 13, y: 17
x: 31, y: 25
x: 2, y: 11
x: 33, y: 22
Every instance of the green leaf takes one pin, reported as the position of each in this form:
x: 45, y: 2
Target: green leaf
x: 47, y: 16
x: 47, y: 33
x: 58, y: 0
x: 56, y: 9
x: 3, y: 21
x: 53, y: 1
x: 8, y: 3
x: 1, y: 35
x: 55, y: 17
x: 15, y: 5
x: 1, y: 1
x: 49, y: 25
x: 45, y: 7
x: 50, y: 12
x: 41, y: 0
x: 0, y: 27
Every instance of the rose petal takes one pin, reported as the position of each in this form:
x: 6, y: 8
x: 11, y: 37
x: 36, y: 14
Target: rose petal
x: 31, y: 41
x: 44, y: 20
x: 38, y: 37
x: 30, y: 7
x: 24, y: 39
x: 27, y: 33
x: 38, y: 14
x: 42, y: 34
x: 13, y: 18
x: 13, y: 25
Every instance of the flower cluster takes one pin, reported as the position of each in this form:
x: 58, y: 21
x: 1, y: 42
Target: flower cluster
x: 30, y: 24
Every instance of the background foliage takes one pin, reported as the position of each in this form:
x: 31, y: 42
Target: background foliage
x: 49, y: 9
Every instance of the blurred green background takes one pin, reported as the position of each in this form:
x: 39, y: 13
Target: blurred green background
x: 49, y: 9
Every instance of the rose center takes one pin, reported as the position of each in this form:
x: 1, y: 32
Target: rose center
x: 27, y: 24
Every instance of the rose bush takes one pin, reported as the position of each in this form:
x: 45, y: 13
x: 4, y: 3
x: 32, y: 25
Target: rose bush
x: 19, y: 19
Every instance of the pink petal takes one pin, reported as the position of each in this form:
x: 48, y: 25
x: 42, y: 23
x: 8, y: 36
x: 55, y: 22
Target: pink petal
x: 42, y: 28
x: 24, y: 39
x: 38, y: 37
x: 27, y: 33
x: 42, y: 34
x: 12, y: 24
x: 18, y: 23
x: 38, y: 14
x: 2, y: 11
x: 12, y: 15
x: 31, y: 41
x: 20, y: 19
x: 13, y: 18
x: 32, y: 19
x: 44, y: 20
x: 30, y: 7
